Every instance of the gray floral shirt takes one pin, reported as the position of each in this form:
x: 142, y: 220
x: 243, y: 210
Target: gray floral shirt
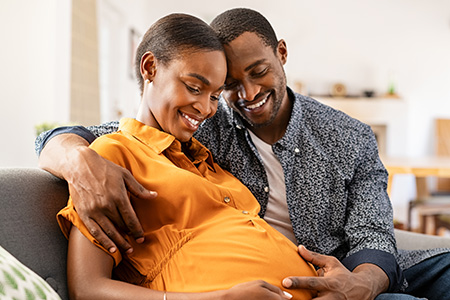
x: 335, y: 181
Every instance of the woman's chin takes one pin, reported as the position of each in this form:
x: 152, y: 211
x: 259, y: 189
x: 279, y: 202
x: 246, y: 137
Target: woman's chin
x: 184, y: 138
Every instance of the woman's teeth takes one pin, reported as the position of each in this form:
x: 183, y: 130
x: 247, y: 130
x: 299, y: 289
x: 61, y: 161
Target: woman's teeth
x: 256, y: 105
x: 192, y: 121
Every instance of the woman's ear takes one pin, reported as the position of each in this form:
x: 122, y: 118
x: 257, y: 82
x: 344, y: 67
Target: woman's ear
x: 148, y: 66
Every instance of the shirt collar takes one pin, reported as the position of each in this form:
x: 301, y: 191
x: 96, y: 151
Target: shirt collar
x: 159, y: 140
x: 150, y: 136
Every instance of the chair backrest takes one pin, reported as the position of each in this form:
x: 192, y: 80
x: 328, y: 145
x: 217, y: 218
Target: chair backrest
x: 442, y: 148
x: 29, y: 201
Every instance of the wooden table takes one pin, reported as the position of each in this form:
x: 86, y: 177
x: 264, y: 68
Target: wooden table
x: 429, y: 208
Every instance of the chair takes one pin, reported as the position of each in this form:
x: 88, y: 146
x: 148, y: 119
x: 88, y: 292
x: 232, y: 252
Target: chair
x: 433, y: 207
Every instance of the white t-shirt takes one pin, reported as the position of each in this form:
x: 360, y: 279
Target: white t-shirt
x: 277, y: 213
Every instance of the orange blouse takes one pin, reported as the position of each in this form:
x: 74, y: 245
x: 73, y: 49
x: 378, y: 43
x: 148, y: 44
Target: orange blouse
x: 202, y: 232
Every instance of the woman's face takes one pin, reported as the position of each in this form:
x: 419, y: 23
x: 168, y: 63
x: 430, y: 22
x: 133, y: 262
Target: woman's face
x: 184, y: 92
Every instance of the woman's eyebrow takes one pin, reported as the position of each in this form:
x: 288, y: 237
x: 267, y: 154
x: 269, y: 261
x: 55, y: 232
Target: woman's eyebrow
x: 200, y: 77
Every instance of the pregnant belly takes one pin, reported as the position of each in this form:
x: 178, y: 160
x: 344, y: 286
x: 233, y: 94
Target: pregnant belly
x: 229, y: 250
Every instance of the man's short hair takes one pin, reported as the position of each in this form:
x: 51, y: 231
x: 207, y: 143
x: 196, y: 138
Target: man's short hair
x: 232, y: 23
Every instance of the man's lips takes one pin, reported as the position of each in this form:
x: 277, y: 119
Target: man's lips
x: 257, y: 104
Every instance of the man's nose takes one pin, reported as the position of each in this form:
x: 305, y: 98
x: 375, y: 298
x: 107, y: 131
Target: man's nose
x: 248, y: 91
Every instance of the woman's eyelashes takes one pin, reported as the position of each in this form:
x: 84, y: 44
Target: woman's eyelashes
x: 196, y: 91
x: 193, y: 90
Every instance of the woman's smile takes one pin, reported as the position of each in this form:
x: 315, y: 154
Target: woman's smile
x: 192, y: 121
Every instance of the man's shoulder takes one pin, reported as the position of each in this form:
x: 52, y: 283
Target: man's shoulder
x: 318, y: 114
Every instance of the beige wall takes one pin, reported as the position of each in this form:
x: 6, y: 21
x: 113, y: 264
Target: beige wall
x: 84, y: 83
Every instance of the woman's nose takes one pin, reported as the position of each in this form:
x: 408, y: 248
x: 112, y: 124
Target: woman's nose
x: 203, y: 106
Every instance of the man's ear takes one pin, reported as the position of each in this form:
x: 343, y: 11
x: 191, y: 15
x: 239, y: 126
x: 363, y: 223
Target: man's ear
x: 282, y: 51
x: 148, y: 66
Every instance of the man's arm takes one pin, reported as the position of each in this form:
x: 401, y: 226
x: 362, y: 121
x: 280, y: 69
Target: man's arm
x: 98, y: 188
x: 370, y: 267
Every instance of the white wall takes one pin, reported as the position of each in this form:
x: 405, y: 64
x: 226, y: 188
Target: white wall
x: 360, y: 43
x: 363, y: 44
x: 34, y: 73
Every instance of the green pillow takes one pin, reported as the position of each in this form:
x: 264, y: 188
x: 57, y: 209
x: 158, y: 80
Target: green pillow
x: 17, y: 282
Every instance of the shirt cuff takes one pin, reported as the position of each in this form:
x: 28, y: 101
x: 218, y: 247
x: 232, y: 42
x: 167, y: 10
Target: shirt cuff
x: 78, y: 130
x: 382, y: 259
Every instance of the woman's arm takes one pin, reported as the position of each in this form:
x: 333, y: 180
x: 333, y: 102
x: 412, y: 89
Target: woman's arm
x: 89, y: 272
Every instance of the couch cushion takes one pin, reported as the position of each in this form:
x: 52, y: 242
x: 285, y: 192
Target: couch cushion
x: 29, y: 201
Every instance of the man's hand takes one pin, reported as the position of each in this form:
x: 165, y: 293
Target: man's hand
x: 335, y: 281
x: 98, y: 189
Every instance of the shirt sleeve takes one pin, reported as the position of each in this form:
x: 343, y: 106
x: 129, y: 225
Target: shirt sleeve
x: 369, y: 225
x: 67, y: 217
x: 383, y: 260
x: 88, y: 133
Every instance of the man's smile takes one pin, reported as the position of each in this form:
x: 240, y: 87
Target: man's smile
x: 257, y: 104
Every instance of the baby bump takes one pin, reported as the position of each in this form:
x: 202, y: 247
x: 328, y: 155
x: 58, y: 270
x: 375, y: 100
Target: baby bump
x: 232, y: 250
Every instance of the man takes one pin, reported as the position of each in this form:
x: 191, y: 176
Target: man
x: 314, y: 170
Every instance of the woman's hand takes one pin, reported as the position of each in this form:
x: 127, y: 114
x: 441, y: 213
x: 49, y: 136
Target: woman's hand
x: 256, y: 290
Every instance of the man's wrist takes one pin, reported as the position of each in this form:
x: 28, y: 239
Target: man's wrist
x: 375, y: 277
x: 77, y: 157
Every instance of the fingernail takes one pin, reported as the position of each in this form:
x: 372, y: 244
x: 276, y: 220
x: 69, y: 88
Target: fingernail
x: 112, y: 249
x: 287, y: 282
x: 129, y: 251
x: 287, y: 294
x: 140, y: 240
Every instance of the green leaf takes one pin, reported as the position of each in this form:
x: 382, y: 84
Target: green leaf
x: 39, y: 291
x: 2, y: 289
x: 10, y: 280
x: 18, y: 273
x: 29, y: 294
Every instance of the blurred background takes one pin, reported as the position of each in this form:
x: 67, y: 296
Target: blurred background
x: 70, y: 62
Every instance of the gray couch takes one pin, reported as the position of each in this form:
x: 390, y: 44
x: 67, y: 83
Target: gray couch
x: 30, y: 199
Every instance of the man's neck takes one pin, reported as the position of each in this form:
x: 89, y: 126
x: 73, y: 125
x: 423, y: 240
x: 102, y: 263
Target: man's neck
x: 277, y: 128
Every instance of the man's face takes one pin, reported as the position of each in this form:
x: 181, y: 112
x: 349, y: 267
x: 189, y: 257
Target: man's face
x: 256, y: 83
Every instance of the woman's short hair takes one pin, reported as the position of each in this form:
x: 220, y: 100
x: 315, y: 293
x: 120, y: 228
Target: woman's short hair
x: 168, y: 37
x: 232, y: 23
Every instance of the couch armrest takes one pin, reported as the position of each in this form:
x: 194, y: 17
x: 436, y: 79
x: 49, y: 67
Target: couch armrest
x: 29, y: 201
x: 407, y: 240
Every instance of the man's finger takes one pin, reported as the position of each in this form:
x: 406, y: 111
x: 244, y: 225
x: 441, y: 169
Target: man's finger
x: 314, y: 258
x: 131, y: 220
x: 113, y: 234
x: 136, y: 189
x: 126, y: 211
x: 99, y: 235
x: 310, y: 283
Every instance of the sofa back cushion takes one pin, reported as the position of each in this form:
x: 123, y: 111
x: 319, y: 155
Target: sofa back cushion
x: 29, y: 201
